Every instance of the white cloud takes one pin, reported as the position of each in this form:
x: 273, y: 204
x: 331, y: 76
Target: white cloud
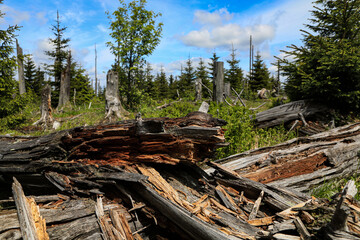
x: 214, y: 18
x: 40, y: 57
x: 13, y: 16
x: 228, y: 34
x: 102, y: 28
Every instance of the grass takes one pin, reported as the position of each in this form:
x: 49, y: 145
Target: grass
x: 330, y: 188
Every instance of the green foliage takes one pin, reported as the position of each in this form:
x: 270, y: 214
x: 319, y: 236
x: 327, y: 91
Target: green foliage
x: 202, y: 73
x: 16, y: 111
x: 241, y: 133
x: 186, y: 79
x: 260, y: 75
x: 34, y: 78
x: 211, y: 67
x: 81, y: 82
x: 135, y: 34
x: 234, y: 75
x: 330, y: 188
x: 7, y: 63
x: 327, y: 67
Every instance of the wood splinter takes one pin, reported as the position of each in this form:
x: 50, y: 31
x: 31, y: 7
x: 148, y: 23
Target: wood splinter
x: 256, y: 206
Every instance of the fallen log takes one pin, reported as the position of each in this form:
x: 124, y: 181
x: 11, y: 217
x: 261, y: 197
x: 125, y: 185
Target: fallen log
x: 303, y: 163
x: 150, y: 187
x: 287, y: 112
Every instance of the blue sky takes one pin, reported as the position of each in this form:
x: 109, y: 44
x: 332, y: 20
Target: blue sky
x: 191, y: 28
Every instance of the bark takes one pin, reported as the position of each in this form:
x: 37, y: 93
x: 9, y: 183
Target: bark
x: 46, y: 118
x: 20, y: 61
x: 288, y: 112
x: 113, y: 104
x: 219, y: 82
x: 198, y: 89
x: 303, y: 163
x: 64, y: 95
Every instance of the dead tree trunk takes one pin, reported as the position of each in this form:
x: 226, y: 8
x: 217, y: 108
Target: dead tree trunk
x: 288, y: 112
x: 198, y: 89
x: 20, y: 61
x: 113, y: 105
x: 64, y: 95
x: 219, y: 82
x: 46, y: 118
x: 302, y: 163
x: 227, y: 87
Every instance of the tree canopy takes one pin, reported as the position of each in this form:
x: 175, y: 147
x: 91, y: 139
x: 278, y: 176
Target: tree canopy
x: 327, y: 66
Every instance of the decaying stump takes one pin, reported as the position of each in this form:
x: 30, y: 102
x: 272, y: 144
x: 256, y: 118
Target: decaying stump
x: 287, y: 112
x: 46, y: 118
x: 64, y: 95
x: 113, y: 105
x: 302, y: 163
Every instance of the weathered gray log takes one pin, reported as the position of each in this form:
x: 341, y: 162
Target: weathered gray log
x: 46, y: 118
x: 204, y: 107
x: 219, y: 82
x: 64, y: 95
x: 26, y: 220
x: 287, y: 112
x: 113, y: 105
x: 198, y: 89
x: 302, y: 163
x: 20, y: 61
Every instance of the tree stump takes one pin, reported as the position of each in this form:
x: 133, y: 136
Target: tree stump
x: 113, y: 104
x: 45, y: 108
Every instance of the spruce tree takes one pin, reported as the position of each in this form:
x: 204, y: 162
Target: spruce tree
x: 161, y: 85
x: 326, y: 67
x: 81, y: 82
x: 211, y: 67
x: 59, y: 55
x: 202, y: 73
x: 187, y: 78
x: 30, y: 75
x: 39, y: 81
x: 234, y: 75
x: 260, y: 77
x: 7, y: 68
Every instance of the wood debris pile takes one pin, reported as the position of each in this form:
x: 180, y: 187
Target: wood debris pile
x: 139, y: 180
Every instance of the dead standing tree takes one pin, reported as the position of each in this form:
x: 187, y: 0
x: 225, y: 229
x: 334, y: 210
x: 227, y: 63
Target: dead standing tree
x: 64, y: 96
x: 45, y: 108
x: 20, y: 61
x: 219, y: 82
x: 198, y: 89
x: 113, y: 104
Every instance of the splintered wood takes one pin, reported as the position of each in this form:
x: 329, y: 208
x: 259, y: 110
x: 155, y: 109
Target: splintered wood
x: 139, y: 180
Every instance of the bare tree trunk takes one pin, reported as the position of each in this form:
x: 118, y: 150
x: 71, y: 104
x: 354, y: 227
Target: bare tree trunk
x: 219, y: 82
x: 198, y: 89
x: 64, y: 96
x: 113, y: 104
x: 45, y: 108
x: 227, y: 88
x: 20, y: 61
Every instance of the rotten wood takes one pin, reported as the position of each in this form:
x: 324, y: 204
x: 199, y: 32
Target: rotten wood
x: 256, y: 206
x: 64, y: 94
x: 46, y: 118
